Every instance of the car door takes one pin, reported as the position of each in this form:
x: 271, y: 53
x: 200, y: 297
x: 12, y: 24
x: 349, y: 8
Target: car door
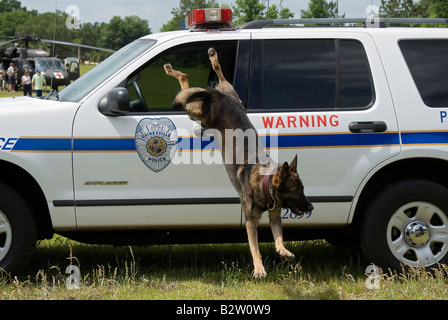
x: 73, y: 70
x: 324, y: 97
x: 148, y: 168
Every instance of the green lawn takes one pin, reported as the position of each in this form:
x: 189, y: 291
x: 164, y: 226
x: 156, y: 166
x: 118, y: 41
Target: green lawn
x: 210, y: 272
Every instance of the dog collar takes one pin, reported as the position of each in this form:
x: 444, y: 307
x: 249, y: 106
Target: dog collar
x: 267, y: 194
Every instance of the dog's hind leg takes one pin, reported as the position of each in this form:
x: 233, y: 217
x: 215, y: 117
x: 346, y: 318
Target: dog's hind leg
x: 275, y: 221
x: 213, y: 56
x: 180, y: 76
x: 224, y: 86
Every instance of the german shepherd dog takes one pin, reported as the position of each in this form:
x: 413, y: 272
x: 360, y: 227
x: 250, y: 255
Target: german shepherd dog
x: 261, y: 186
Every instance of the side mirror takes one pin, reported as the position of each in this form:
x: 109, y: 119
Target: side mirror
x: 115, y: 103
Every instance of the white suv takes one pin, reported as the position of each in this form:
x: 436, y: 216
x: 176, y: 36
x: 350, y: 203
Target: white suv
x: 108, y: 160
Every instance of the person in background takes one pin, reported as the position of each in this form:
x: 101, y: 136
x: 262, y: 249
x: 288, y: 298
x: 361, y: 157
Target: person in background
x: 26, y: 83
x: 11, y: 72
x: 38, y: 83
x: 3, y: 77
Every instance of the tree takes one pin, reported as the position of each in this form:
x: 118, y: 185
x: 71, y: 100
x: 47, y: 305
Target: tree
x: 320, y: 9
x: 185, y: 7
x: 10, y: 5
x: 398, y: 9
x: 119, y: 32
x: 438, y: 9
x: 409, y: 9
x: 46, y: 25
x: 278, y: 13
x: 422, y: 8
x: 10, y: 21
x: 247, y: 10
x: 90, y: 33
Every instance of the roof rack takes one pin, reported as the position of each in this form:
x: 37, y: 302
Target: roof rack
x: 366, y: 22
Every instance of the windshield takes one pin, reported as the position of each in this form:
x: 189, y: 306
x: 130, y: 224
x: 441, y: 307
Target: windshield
x: 41, y: 64
x: 25, y: 66
x: 81, y: 87
x: 48, y: 63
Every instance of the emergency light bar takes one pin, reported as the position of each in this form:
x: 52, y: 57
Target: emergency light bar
x: 206, y: 19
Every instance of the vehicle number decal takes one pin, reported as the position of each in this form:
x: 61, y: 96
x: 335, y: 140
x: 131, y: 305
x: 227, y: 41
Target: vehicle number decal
x: 288, y: 214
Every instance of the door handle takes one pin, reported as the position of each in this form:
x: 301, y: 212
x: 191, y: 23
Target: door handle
x: 198, y: 131
x: 201, y: 132
x: 367, y: 126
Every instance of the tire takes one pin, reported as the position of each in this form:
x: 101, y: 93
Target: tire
x: 17, y: 231
x: 406, y: 224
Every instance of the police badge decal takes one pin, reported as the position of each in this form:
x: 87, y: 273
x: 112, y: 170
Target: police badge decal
x: 155, y: 141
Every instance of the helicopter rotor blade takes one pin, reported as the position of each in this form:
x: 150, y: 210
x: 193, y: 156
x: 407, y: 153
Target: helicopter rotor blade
x: 6, y: 42
x: 76, y: 45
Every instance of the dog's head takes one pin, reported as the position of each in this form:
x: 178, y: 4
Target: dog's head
x: 288, y: 189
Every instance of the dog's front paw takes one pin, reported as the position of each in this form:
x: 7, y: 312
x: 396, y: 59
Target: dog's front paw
x: 287, y: 255
x: 260, y: 274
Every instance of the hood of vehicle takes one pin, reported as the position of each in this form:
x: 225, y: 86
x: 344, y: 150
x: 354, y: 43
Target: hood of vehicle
x: 25, y: 116
x: 13, y: 103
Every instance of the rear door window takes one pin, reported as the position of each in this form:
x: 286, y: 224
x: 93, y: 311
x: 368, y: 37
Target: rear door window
x: 310, y: 74
x: 428, y: 63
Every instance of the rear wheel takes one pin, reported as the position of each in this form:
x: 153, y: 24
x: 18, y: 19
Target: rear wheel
x: 17, y: 231
x: 407, y: 224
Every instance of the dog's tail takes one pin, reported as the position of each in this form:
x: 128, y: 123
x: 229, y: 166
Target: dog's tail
x: 191, y: 95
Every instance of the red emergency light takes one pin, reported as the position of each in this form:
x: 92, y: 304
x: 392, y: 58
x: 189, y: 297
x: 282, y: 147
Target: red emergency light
x: 206, y: 19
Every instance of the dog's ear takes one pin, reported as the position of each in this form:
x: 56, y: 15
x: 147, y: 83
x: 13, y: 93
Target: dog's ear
x: 293, y: 165
x: 284, y: 171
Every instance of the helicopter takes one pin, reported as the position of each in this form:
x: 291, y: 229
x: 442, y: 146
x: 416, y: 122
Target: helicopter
x: 28, y: 59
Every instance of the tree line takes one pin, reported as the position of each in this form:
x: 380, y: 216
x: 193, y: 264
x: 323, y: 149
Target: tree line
x: 17, y: 20
x: 119, y: 31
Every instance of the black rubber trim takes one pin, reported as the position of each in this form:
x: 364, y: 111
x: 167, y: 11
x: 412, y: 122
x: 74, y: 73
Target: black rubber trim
x: 176, y: 201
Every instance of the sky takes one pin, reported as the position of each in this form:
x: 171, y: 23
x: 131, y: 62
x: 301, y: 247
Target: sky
x: 158, y: 12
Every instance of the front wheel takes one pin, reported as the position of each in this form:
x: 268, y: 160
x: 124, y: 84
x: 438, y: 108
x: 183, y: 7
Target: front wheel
x: 407, y: 224
x: 17, y: 231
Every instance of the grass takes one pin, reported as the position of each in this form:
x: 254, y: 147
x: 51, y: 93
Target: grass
x: 210, y: 272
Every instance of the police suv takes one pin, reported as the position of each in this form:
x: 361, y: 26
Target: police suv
x: 108, y: 160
